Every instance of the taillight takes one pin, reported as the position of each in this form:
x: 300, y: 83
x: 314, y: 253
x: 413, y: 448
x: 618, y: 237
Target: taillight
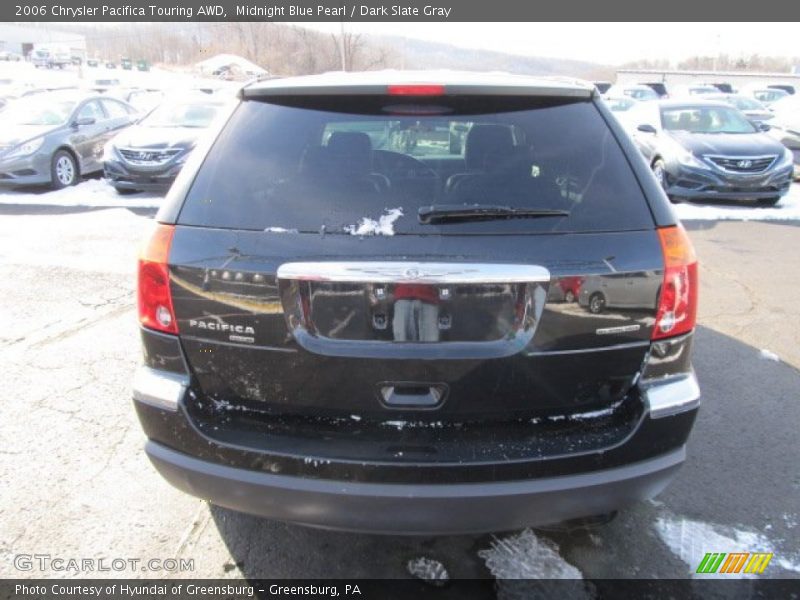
x: 677, y: 305
x: 422, y: 89
x: 155, y: 300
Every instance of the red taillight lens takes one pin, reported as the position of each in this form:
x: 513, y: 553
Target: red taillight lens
x: 677, y: 304
x: 416, y: 90
x: 155, y: 300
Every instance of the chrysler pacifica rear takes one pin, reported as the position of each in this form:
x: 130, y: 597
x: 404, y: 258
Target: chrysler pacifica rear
x: 353, y: 308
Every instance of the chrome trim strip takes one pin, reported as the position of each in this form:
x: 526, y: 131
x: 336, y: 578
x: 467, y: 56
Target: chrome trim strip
x: 710, y: 158
x: 161, y: 389
x: 672, y: 396
x: 413, y: 272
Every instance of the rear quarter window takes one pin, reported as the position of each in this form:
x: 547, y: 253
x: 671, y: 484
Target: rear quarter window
x: 313, y: 163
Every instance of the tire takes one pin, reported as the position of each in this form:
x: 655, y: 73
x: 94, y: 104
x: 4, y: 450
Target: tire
x: 597, y: 303
x: 63, y: 170
x: 769, y: 201
x: 569, y: 296
x: 660, y: 171
x: 125, y: 191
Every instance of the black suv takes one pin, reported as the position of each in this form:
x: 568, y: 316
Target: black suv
x: 359, y: 308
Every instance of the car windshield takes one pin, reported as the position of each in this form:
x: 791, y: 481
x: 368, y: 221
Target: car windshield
x: 38, y: 112
x: 370, y: 164
x: 705, y: 119
x: 182, y: 114
x: 743, y: 103
x: 769, y: 95
x: 620, y: 104
x: 644, y: 93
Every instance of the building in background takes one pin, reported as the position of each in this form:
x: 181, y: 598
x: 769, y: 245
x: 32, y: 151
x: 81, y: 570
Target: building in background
x: 737, y: 79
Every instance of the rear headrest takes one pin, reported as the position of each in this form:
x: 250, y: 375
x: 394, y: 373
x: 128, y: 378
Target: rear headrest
x: 485, y: 140
x: 350, y: 143
x: 349, y: 152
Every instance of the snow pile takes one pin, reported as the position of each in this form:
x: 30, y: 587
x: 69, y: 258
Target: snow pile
x: 280, y: 230
x: 429, y: 570
x: 691, y: 540
x: 92, y: 193
x: 526, y: 556
x: 787, y: 209
x: 768, y: 355
x: 383, y: 226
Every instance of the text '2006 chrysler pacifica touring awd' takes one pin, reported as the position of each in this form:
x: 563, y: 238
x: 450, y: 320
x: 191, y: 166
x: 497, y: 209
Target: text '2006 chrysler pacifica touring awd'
x: 354, y: 316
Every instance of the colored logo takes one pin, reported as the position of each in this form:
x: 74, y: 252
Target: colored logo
x: 734, y: 562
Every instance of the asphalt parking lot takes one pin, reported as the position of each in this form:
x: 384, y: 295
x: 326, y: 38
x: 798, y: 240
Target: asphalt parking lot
x: 76, y: 482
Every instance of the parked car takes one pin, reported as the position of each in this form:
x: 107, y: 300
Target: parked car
x: 621, y: 290
x: 126, y: 64
x: 785, y: 127
x: 602, y: 86
x: 103, y: 84
x: 786, y: 87
x: 7, y: 55
x: 54, y: 138
x: 642, y: 93
x: 750, y: 107
x: 111, y: 65
x: 725, y: 88
x: 658, y: 87
x: 316, y: 353
x: 764, y: 93
x: 93, y: 62
x: 620, y: 103
x: 149, y: 155
x: 697, y: 89
x: 701, y: 150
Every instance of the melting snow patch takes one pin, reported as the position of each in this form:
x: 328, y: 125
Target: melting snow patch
x: 691, y: 540
x: 429, y: 570
x: 280, y: 230
x: 787, y: 209
x: 94, y: 192
x: 355, y: 418
x: 398, y: 424
x: 526, y: 556
x: 383, y: 226
x: 768, y: 355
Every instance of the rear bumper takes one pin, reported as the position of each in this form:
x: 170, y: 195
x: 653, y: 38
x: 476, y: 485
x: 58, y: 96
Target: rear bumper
x: 409, y: 496
x: 416, y: 509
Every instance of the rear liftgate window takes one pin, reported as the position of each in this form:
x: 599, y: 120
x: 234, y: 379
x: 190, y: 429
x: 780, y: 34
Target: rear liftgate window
x: 366, y: 164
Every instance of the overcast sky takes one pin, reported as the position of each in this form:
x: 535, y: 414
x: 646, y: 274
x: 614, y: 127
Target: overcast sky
x: 610, y: 43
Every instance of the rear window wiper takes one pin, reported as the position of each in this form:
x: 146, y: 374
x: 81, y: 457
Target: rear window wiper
x: 443, y: 213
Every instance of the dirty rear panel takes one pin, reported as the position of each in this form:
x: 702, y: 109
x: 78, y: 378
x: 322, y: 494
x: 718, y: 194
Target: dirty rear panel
x: 241, y: 344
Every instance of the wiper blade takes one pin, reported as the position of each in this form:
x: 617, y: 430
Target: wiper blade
x: 443, y: 213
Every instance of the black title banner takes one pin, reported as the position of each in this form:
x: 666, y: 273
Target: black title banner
x: 386, y: 589
x: 393, y: 10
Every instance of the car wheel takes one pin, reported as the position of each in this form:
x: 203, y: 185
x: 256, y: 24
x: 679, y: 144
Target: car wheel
x: 597, y: 303
x: 660, y: 171
x: 63, y: 170
x: 569, y: 296
x: 125, y: 191
x: 769, y: 201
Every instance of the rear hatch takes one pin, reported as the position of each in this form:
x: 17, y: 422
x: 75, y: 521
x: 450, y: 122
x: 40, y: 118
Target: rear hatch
x: 427, y: 259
